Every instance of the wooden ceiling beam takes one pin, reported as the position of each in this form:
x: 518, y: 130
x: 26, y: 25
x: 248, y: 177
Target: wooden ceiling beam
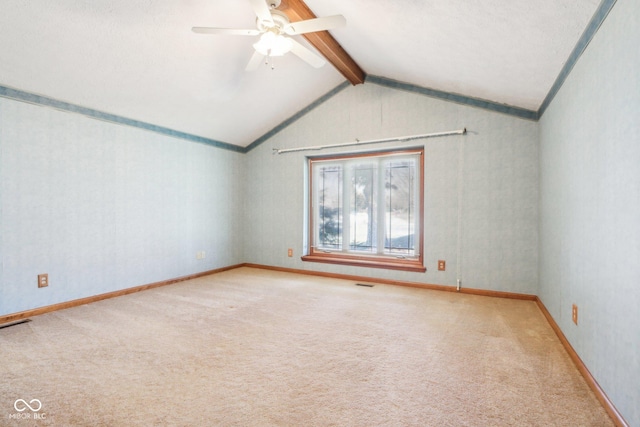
x: 324, y: 42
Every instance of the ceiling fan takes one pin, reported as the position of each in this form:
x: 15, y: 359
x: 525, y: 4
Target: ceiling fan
x: 275, y: 29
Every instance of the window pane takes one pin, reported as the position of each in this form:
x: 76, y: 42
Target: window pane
x: 329, y: 207
x: 363, y: 207
x: 400, y: 208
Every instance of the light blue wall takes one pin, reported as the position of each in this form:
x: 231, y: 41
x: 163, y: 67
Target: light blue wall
x: 101, y: 207
x: 549, y: 208
x: 496, y: 164
x: 590, y: 207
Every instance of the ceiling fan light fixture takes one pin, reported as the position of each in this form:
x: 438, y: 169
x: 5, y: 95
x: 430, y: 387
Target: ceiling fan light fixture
x: 271, y: 44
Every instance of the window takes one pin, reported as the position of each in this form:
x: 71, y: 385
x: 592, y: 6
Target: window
x: 367, y: 209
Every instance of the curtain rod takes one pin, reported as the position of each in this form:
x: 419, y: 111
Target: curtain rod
x: 372, y: 141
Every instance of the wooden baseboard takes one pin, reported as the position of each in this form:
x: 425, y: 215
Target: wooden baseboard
x: 582, y: 368
x: 593, y: 384
x: 74, y: 303
x: 482, y: 292
x: 591, y: 381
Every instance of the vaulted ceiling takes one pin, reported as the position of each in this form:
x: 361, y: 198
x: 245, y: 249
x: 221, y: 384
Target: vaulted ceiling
x: 140, y: 59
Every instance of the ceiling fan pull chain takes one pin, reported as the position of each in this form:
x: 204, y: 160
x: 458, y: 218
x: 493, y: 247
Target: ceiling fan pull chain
x: 268, y: 60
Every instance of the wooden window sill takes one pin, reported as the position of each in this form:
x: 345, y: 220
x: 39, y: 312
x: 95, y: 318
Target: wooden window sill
x: 387, y: 263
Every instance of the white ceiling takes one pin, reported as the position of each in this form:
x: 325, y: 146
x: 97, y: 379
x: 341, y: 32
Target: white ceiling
x: 139, y: 59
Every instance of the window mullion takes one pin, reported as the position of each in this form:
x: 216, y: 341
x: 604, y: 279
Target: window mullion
x: 381, y: 209
x: 417, y: 226
x: 316, y: 211
x: 347, y: 178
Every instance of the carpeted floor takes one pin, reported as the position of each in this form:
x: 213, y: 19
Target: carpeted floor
x: 251, y: 347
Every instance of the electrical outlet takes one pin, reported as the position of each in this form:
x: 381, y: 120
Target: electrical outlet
x: 574, y: 314
x: 43, y: 280
x: 442, y: 265
x: 289, y: 252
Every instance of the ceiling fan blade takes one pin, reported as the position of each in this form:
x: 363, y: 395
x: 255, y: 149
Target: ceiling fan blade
x: 225, y: 31
x: 255, y: 61
x: 306, y: 55
x: 316, y: 24
x: 262, y: 12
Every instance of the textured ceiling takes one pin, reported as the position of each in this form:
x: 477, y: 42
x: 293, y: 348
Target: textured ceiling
x: 139, y: 59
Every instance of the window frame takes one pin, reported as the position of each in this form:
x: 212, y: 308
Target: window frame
x: 341, y: 257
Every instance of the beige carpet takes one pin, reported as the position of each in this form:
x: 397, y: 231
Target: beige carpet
x: 252, y: 347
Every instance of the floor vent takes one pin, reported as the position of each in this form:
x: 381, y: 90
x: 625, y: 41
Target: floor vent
x: 19, y: 322
x: 364, y: 284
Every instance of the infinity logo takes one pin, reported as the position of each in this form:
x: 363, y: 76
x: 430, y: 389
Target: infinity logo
x: 26, y: 405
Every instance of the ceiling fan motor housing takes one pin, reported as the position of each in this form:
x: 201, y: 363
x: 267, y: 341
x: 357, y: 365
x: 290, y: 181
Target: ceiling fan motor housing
x: 279, y: 19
